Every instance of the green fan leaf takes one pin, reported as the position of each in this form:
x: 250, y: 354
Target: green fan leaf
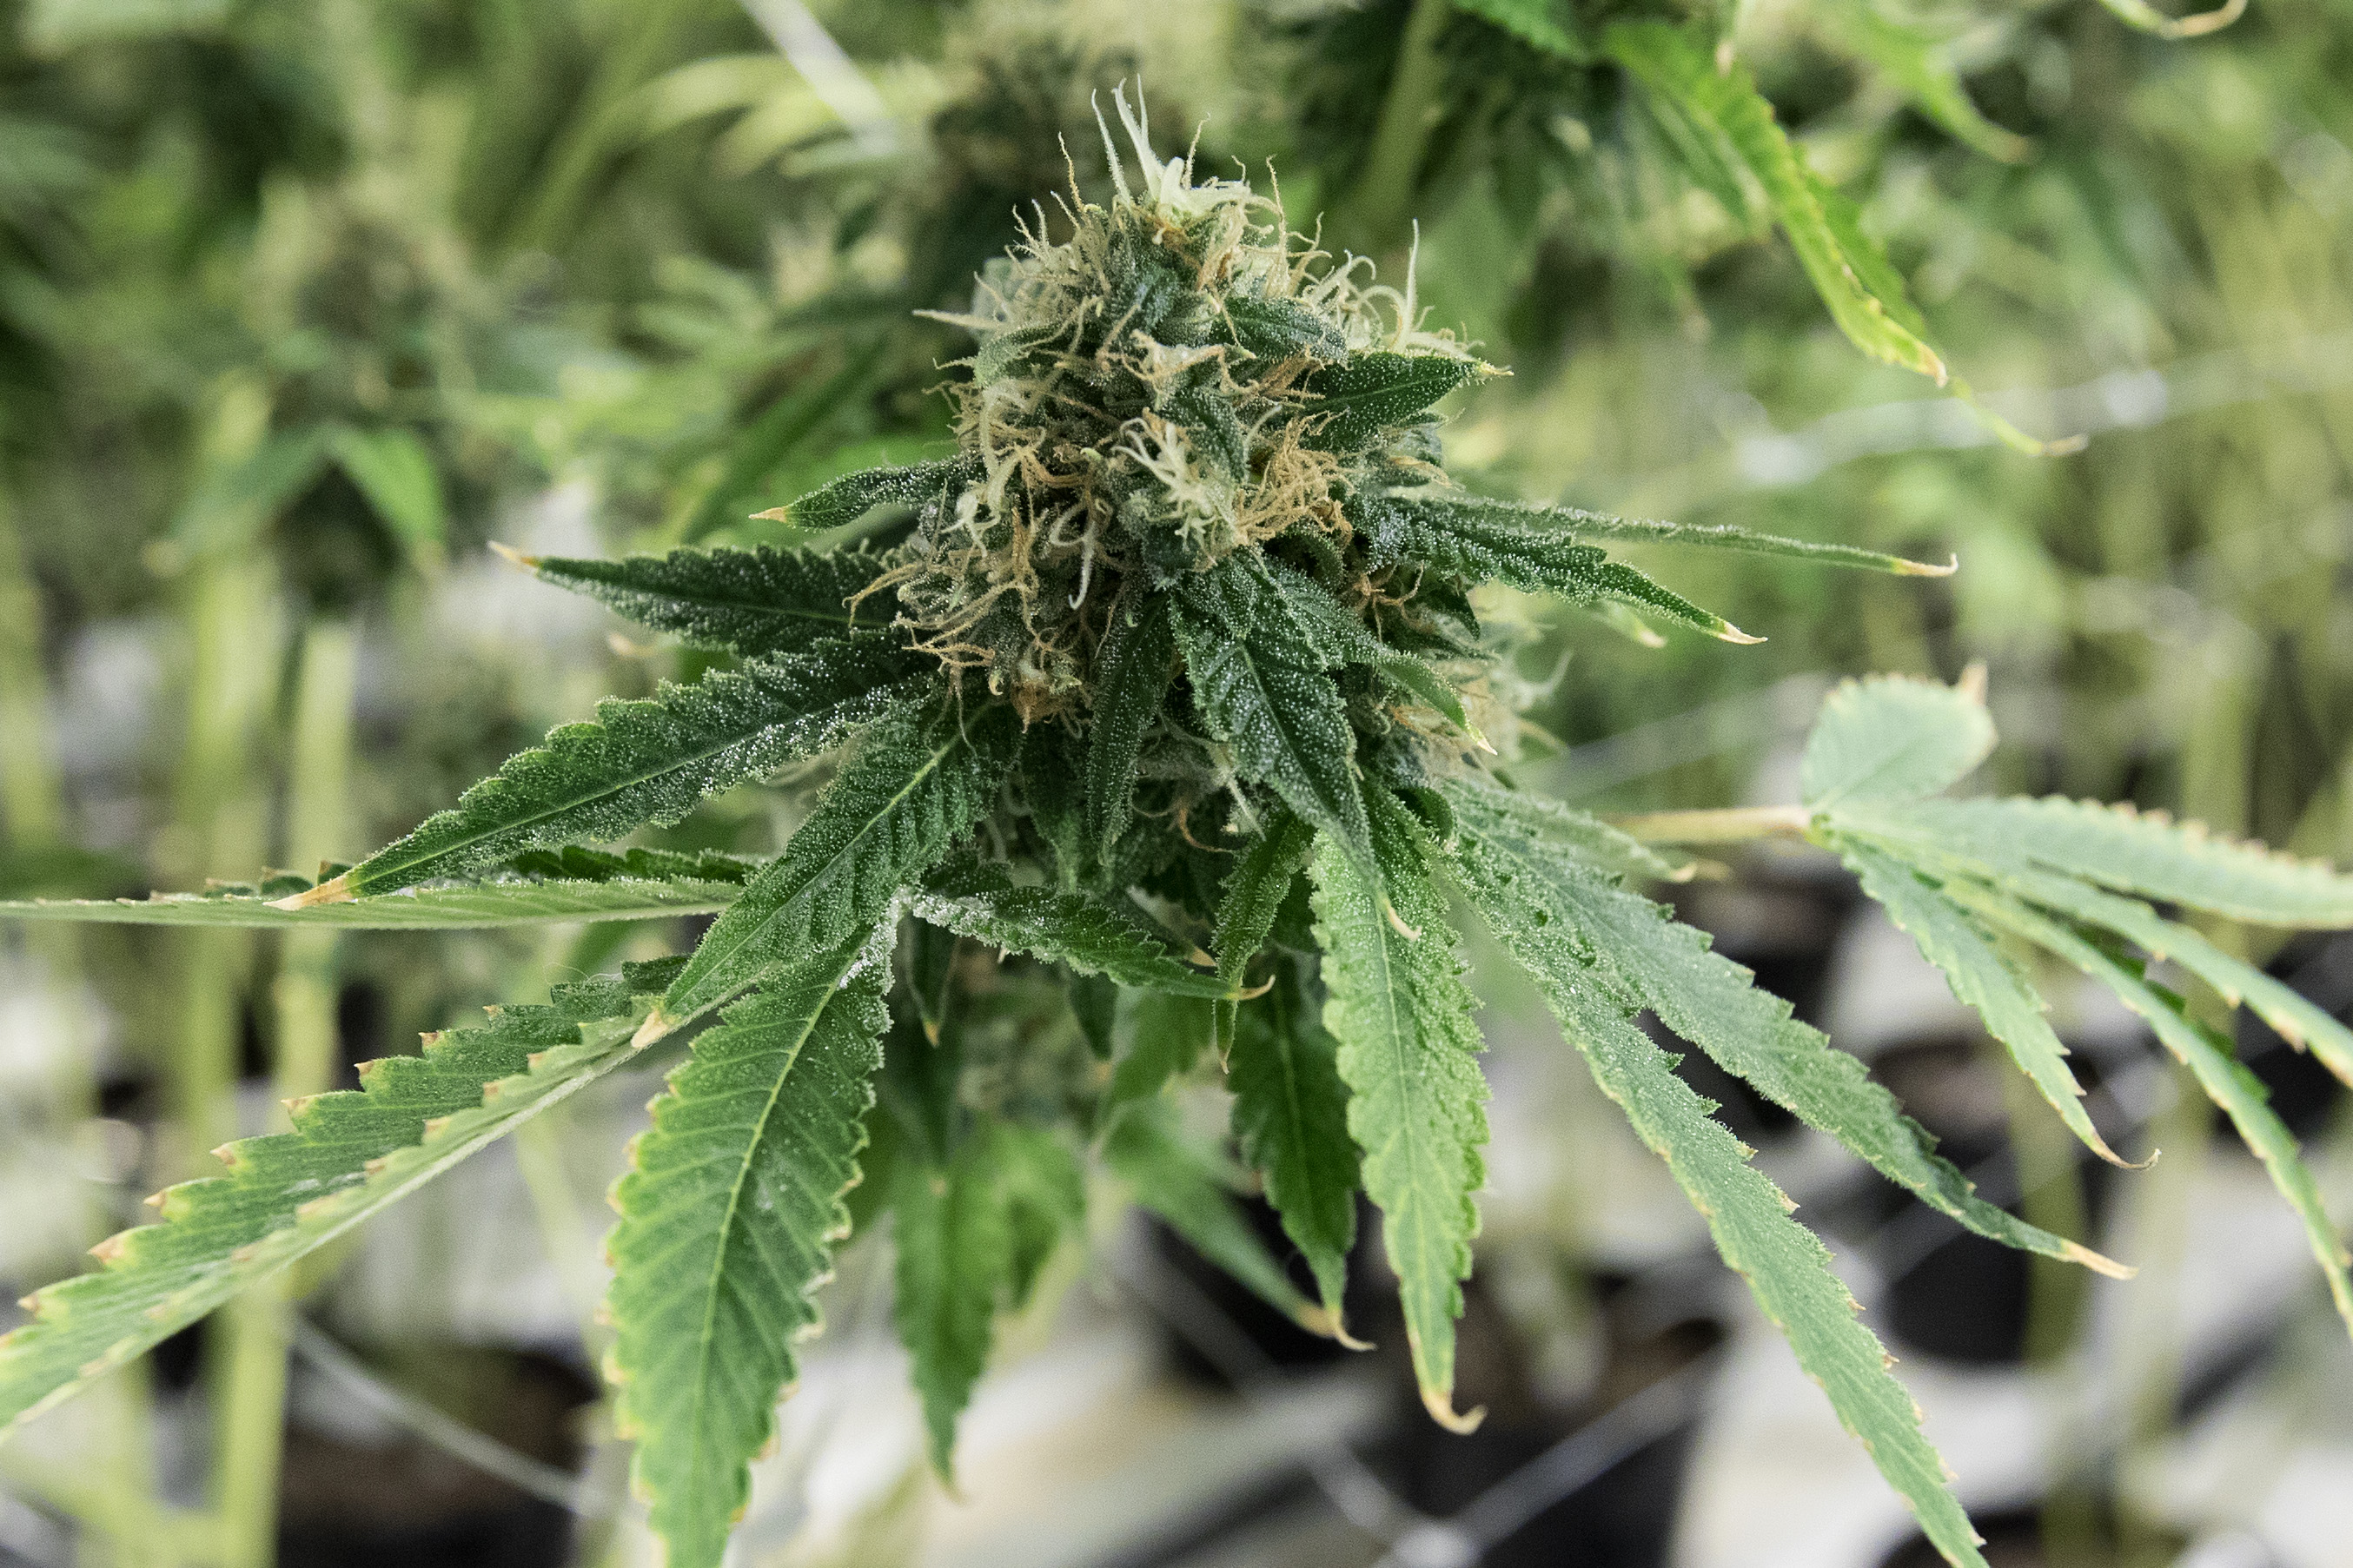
x: 2115, y: 846
x: 1714, y: 1002
x: 1282, y: 717
x: 728, y: 1216
x: 1785, y: 1266
x: 351, y: 1154
x: 915, y: 781
x: 1724, y: 536
x: 2226, y: 1081
x: 1893, y: 738
x: 2299, y: 1020
x: 972, y: 1236
x: 1291, y: 1123
x: 1353, y: 401
x: 1408, y: 1052
x: 1192, y: 1187
x: 1132, y: 676
x: 758, y: 603
x: 1521, y: 547
x: 1088, y: 932
x: 847, y: 500
x: 649, y: 762
x: 1678, y: 66
x: 536, y: 888
x: 1922, y: 69
x: 1981, y: 979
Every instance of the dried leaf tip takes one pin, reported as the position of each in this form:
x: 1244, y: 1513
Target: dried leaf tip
x: 657, y: 1023
x: 513, y: 557
x: 1727, y: 632
x: 1972, y: 683
x: 780, y: 513
x: 1927, y: 568
x: 1439, y: 1403
x: 338, y: 891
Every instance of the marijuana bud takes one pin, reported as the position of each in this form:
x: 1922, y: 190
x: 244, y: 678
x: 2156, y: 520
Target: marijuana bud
x: 1180, y: 379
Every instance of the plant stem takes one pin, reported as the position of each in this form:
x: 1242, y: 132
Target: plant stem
x: 218, y: 825
x: 252, y: 1422
x: 1383, y: 196
x: 1729, y: 824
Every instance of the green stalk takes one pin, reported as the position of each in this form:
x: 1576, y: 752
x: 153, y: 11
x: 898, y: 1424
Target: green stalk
x: 251, y: 1420
x: 1383, y: 198
x: 217, y: 826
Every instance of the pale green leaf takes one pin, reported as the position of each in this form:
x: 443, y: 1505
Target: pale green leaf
x: 2118, y: 847
x: 1922, y: 69
x: 728, y: 1216
x: 1408, y: 1052
x: 1535, y: 23
x: 651, y: 761
x: 1678, y: 65
x: 915, y: 782
x: 502, y: 901
x: 350, y: 1153
x: 2226, y: 1081
x: 1165, y: 1036
x: 1981, y: 979
x: 394, y: 470
x: 1893, y: 738
x: 1714, y: 1002
x: 971, y: 1237
x: 1785, y: 1266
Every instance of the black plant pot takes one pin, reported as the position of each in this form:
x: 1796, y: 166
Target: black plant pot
x: 1949, y: 1293
x: 352, y: 1503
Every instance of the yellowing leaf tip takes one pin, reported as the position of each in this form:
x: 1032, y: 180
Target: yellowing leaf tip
x: 1439, y: 1403
x: 513, y: 557
x: 657, y: 1023
x: 337, y: 891
x: 1929, y: 568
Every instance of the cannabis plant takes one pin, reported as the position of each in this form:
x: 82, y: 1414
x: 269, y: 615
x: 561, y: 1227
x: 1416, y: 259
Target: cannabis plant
x: 1163, y: 731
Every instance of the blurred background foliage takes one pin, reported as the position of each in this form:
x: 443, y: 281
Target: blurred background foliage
x: 302, y: 303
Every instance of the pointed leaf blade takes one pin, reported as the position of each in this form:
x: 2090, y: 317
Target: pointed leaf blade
x: 351, y: 1154
x: 649, y: 762
x: 1408, y: 1052
x: 915, y: 782
x: 728, y: 1216
x: 1786, y: 1268
x: 1714, y: 1002
x: 1291, y: 1123
x: 758, y: 603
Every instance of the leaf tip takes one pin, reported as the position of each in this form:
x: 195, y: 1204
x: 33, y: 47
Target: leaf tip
x: 1732, y: 634
x: 657, y: 1023
x: 2097, y: 1262
x: 1929, y: 568
x: 1439, y: 1403
x: 513, y: 557
x: 336, y: 891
